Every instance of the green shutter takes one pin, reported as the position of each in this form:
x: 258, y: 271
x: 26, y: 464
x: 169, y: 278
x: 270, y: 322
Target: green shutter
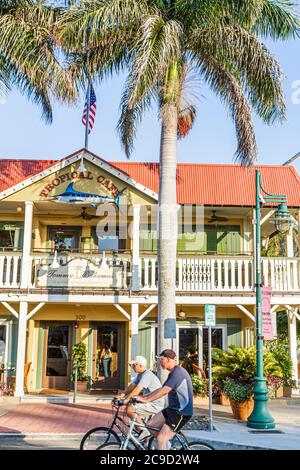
x: 144, y: 341
x: 148, y: 238
x: 228, y: 239
x: 12, y: 345
x: 234, y: 332
x: 39, y: 371
x: 211, y: 239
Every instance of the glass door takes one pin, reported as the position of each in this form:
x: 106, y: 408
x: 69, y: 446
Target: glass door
x: 107, y: 357
x: 217, y: 341
x: 193, y: 346
x: 64, y: 238
x: 57, y: 359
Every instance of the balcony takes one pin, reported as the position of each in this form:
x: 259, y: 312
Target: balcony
x: 194, y: 274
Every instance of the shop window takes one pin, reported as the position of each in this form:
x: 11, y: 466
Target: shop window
x: 11, y: 235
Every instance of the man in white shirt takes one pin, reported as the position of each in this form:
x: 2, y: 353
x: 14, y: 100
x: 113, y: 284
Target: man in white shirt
x: 143, y: 384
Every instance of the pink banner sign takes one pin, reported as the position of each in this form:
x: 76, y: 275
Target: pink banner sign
x: 267, y: 329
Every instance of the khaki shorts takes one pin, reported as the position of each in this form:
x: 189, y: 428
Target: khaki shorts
x: 145, y: 410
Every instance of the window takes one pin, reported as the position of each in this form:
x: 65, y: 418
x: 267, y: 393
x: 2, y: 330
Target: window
x: 64, y: 238
x: 216, y: 239
x: 148, y: 238
x: 109, y: 243
x: 11, y: 235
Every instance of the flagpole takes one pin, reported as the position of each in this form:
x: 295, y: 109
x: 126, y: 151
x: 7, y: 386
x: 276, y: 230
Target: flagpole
x: 88, y: 104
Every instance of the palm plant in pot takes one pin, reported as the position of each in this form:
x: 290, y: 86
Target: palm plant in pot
x: 79, y: 361
x: 235, y: 369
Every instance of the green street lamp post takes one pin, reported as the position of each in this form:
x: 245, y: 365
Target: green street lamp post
x: 260, y: 417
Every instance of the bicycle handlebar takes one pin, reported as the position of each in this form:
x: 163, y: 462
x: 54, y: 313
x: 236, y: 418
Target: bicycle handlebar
x: 121, y: 401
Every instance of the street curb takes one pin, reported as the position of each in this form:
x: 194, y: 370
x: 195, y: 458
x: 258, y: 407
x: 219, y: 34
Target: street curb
x: 219, y: 445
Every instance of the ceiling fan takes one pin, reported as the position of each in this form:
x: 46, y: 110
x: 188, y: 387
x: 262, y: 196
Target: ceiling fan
x: 85, y: 215
x: 216, y: 218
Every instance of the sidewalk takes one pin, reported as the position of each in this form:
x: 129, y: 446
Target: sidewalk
x: 64, y: 421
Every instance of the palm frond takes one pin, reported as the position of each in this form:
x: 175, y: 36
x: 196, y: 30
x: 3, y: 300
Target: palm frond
x: 156, y: 50
x: 29, y: 50
x: 244, y: 55
x: 230, y: 91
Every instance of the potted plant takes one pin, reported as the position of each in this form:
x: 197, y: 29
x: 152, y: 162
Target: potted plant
x: 79, y: 361
x: 239, y: 365
x: 240, y: 395
x: 200, y: 388
x: 280, y: 350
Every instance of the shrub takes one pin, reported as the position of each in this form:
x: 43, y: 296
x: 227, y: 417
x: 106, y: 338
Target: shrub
x: 200, y: 386
x: 79, y: 359
x: 240, y: 363
x: 237, y: 391
x: 280, y: 350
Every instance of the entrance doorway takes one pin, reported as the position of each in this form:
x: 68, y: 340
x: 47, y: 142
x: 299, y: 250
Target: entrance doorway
x: 57, y: 356
x: 107, y: 360
x: 193, y: 344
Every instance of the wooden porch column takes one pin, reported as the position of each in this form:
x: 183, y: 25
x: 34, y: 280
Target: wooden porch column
x: 19, y: 391
x: 134, y: 333
x: 26, y: 265
x: 293, y: 345
x: 135, y: 272
x: 289, y: 243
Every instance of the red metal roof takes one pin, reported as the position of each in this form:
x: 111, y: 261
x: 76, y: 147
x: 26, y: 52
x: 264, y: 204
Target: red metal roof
x: 209, y: 184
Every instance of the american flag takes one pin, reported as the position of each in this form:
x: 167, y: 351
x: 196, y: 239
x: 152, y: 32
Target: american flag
x: 92, y: 112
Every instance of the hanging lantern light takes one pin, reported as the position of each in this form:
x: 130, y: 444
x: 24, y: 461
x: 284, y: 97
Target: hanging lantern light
x: 181, y: 313
x: 282, y: 219
x: 76, y: 325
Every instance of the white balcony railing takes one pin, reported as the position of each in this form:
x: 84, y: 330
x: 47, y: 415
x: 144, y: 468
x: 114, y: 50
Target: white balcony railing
x: 193, y: 273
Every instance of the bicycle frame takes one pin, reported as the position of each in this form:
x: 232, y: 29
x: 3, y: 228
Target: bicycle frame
x: 131, y: 438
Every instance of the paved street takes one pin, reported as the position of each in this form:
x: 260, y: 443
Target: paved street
x: 60, y: 426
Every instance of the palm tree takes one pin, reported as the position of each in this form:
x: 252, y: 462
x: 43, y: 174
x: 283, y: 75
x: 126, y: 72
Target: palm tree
x: 159, y: 43
x: 29, y: 53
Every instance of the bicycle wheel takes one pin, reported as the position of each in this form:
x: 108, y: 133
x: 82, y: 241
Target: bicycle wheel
x: 110, y: 446
x: 198, y: 445
x: 176, y: 443
x: 96, y: 437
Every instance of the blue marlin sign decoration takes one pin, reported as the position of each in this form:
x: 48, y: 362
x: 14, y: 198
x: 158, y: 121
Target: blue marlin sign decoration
x: 70, y: 195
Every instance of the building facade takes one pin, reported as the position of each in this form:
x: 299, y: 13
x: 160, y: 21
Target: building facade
x: 71, y: 271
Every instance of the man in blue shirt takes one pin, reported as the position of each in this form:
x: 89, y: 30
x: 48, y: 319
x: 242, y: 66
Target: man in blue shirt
x: 179, y: 389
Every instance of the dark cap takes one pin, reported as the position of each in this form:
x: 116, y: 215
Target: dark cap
x: 168, y: 353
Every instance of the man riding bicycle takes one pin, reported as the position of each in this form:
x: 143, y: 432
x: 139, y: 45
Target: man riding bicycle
x: 143, y: 384
x: 179, y: 411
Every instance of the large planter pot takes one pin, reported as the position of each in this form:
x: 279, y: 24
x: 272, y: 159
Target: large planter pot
x: 241, y: 411
x: 287, y: 391
x: 198, y: 401
x: 82, y: 386
x: 279, y: 392
x: 224, y: 400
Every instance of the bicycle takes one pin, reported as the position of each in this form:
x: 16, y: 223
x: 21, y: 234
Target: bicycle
x: 96, y: 437
x: 132, y: 442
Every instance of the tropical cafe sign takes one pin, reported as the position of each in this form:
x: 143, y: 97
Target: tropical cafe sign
x: 81, y: 273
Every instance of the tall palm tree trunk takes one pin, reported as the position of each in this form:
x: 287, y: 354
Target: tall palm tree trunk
x: 167, y: 226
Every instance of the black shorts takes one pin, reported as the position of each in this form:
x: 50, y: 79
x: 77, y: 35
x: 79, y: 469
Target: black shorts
x: 174, y: 419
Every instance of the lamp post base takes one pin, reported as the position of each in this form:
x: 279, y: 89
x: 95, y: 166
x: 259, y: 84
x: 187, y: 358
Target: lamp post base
x: 260, y: 417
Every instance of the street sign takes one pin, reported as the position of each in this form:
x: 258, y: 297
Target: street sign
x: 210, y: 315
x: 170, y: 328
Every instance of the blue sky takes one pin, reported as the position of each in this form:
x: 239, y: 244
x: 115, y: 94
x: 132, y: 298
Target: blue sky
x: 212, y: 140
